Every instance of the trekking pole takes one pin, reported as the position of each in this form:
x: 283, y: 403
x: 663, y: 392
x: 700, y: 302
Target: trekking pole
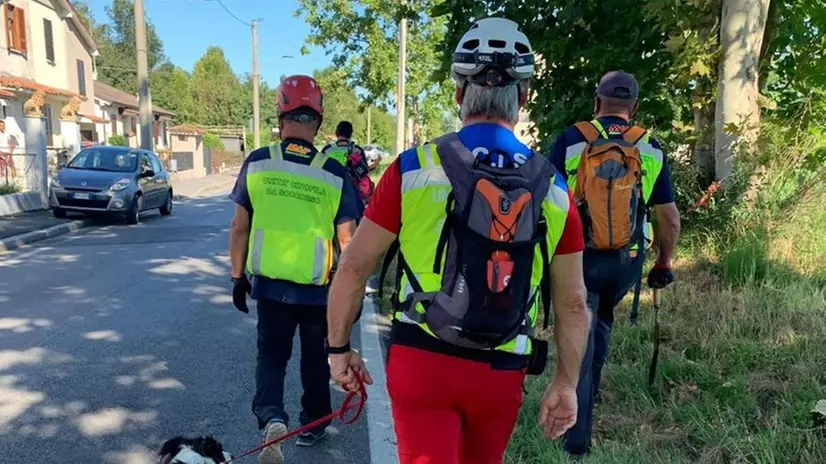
x: 652, y: 368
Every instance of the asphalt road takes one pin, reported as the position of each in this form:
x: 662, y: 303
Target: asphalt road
x: 114, y: 339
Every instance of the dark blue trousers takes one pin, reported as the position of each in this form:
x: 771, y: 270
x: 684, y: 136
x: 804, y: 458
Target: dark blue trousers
x: 608, y: 277
x: 277, y: 323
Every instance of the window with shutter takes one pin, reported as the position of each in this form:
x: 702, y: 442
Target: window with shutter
x: 47, y: 31
x: 81, y: 78
x: 16, y: 29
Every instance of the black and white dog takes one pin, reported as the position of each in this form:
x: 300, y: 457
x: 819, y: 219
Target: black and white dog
x: 201, y: 450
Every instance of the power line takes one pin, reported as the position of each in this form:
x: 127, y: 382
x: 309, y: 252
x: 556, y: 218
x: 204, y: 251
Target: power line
x: 233, y: 14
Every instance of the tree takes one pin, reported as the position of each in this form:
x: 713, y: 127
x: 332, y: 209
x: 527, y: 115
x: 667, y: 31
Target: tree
x: 266, y: 98
x: 216, y: 92
x: 116, y: 42
x: 342, y: 104
x: 171, y: 90
x: 569, y: 40
x: 738, y: 109
x: 361, y: 36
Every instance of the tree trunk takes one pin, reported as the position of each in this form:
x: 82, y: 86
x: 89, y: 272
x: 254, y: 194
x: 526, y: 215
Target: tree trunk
x: 417, y: 136
x: 741, y: 37
x: 704, y: 144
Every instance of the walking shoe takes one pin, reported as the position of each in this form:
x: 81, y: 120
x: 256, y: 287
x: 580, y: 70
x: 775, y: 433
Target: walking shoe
x: 310, y: 438
x: 273, y: 454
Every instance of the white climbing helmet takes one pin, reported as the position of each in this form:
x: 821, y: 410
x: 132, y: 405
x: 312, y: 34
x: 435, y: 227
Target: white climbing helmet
x: 494, y: 43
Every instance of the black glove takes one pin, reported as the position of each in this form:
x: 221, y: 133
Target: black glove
x: 660, y: 276
x: 241, y: 287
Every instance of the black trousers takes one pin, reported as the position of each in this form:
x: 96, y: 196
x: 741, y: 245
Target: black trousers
x: 276, y: 328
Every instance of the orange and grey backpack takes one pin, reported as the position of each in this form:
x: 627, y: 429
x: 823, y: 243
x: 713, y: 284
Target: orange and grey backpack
x: 608, y: 189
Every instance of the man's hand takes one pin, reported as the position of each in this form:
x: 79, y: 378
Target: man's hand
x: 345, y: 367
x: 240, y: 289
x: 557, y: 411
x: 660, y: 276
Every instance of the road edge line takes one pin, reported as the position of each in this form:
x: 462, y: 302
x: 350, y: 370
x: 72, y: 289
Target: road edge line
x: 16, y: 241
x: 379, y: 419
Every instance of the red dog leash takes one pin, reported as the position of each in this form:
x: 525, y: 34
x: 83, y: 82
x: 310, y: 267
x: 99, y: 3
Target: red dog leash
x: 348, y: 404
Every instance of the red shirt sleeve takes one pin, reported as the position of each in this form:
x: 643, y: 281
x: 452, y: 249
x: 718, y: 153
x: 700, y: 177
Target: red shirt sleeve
x: 385, y: 207
x: 572, y: 240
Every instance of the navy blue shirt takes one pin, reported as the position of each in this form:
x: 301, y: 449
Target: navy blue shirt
x: 663, y: 191
x: 302, y: 152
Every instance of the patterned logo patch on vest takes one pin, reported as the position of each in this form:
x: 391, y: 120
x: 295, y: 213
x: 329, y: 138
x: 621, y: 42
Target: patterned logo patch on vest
x: 298, y: 150
x: 616, y: 129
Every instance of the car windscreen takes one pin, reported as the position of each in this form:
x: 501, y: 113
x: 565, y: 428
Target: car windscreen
x: 105, y: 160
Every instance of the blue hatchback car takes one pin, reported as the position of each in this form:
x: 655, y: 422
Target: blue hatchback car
x: 112, y: 180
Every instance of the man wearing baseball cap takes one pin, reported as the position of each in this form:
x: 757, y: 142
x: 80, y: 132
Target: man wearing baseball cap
x: 609, y: 275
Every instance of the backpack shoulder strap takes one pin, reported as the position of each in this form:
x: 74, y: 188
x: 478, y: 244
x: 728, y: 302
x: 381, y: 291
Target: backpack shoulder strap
x: 633, y: 134
x: 545, y: 283
x: 389, y: 255
x: 587, y: 130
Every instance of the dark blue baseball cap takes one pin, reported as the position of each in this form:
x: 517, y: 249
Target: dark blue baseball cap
x: 618, y: 85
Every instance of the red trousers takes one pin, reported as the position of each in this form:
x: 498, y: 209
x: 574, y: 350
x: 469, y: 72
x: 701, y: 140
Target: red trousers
x: 448, y: 410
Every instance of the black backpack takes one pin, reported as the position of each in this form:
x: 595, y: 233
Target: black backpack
x: 493, y: 225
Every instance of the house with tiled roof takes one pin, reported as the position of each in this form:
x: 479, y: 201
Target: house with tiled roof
x: 121, y: 112
x: 47, y: 67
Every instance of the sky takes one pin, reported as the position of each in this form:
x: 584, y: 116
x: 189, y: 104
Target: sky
x: 188, y: 27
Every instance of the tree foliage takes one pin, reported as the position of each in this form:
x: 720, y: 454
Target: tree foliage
x: 362, y: 37
x: 672, y: 47
x: 171, y: 90
x: 116, y: 43
x: 342, y: 104
x: 216, y: 91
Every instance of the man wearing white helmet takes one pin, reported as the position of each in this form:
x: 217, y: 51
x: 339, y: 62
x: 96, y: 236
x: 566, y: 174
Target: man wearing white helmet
x: 484, y: 232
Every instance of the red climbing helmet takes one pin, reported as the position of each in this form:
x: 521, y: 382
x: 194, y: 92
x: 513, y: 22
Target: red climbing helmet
x: 297, y: 92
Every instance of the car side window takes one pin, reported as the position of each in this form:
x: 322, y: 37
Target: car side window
x: 156, y: 164
x: 146, y: 163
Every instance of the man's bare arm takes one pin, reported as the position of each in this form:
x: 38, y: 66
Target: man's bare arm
x: 668, y: 230
x: 357, y: 262
x: 239, y: 237
x: 572, y: 318
x: 344, y: 234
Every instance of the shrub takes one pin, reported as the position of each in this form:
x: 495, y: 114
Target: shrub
x: 6, y: 189
x: 118, y: 141
x: 213, y: 142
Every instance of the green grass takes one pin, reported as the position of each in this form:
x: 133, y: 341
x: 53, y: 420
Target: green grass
x: 741, y: 366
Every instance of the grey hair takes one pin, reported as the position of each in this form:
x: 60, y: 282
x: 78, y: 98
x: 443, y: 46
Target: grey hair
x: 490, y: 102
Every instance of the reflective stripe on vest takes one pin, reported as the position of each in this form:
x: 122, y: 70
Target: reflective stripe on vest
x: 294, y: 208
x: 425, y: 189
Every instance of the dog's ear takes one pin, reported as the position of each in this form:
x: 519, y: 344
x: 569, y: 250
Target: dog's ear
x: 172, y: 446
x: 211, y: 448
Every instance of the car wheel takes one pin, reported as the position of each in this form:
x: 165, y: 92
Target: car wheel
x: 166, y: 209
x: 59, y: 213
x: 133, y: 216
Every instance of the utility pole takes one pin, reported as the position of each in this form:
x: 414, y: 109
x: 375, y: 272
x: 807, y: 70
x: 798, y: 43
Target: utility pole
x: 400, y: 91
x: 256, y: 109
x: 144, y: 99
x: 369, y: 125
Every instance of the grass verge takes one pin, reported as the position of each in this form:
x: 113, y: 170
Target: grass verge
x: 741, y: 366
